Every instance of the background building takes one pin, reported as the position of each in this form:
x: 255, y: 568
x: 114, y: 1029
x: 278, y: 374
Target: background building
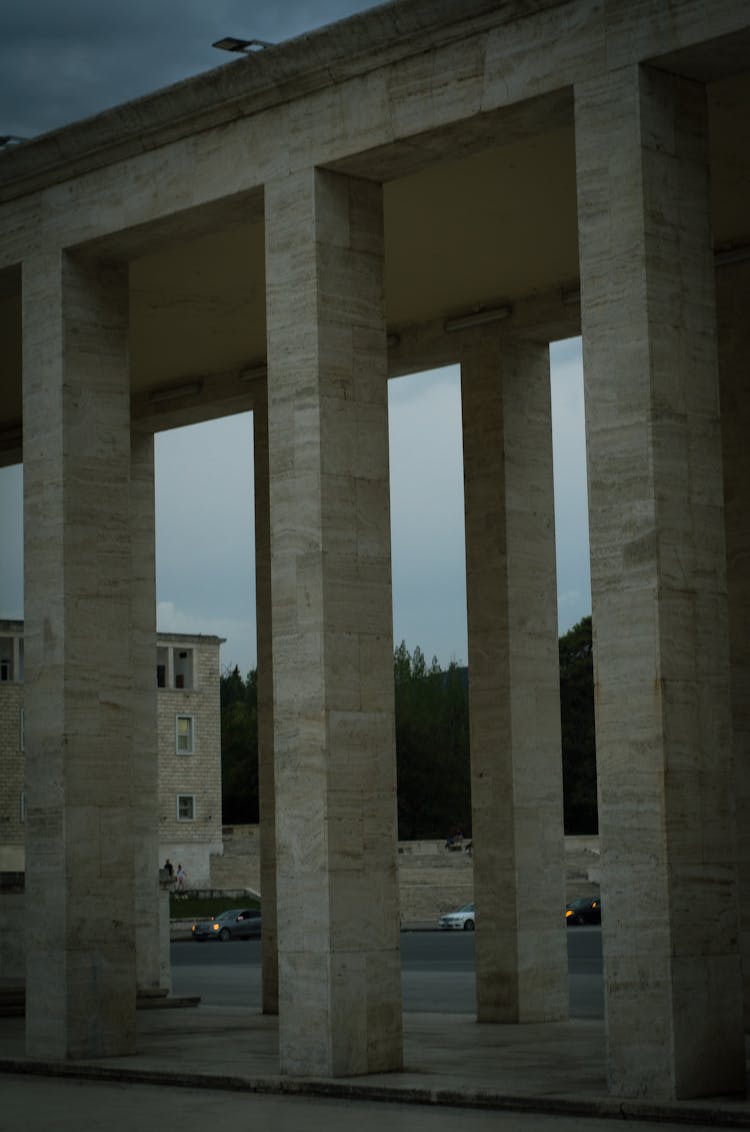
x: 189, y: 739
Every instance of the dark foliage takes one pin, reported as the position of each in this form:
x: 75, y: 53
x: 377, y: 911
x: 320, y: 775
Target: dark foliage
x: 239, y: 747
x: 578, y: 735
x: 432, y: 747
x: 432, y: 742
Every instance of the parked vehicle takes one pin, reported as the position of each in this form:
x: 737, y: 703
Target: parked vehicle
x: 462, y: 920
x: 584, y: 910
x: 236, y: 923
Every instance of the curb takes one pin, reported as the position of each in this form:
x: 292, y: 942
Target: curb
x: 602, y: 1107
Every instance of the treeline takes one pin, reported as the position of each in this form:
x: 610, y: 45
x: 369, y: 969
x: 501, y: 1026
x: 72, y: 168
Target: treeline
x: 432, y: 746
x: 432, y: 741
x: 239, y: 748
x: 577, y: 722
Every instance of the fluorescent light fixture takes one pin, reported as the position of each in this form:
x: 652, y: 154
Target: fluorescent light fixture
x: 254, y: 373
x: 732, y: 255
x: 173, y: 392
x: 241, y: 46
x: 477, y: 318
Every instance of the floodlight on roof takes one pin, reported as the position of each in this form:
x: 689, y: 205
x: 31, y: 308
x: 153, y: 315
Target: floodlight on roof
x: 241, y: 46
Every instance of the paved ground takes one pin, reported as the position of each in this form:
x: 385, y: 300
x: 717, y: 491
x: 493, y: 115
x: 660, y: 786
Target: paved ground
x: 41, y: 1104
x: 204, y: 1058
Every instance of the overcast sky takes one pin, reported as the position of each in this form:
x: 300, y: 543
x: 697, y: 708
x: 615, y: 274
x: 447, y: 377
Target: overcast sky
x: 63, y: 61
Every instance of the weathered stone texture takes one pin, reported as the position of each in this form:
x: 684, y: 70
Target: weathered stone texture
x: 658, y: 588
x: 734, y: 352
x: 513, y: 681
x: 145, y: 739
x: 80, y: 873
x: 334, y: 734
x: 266, y: 770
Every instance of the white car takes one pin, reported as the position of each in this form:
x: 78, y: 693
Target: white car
x: 462, y: 920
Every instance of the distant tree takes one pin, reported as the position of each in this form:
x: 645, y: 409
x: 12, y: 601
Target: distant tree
x: 432, y: 741
x: 239, y: 747
x: 578, y: 733
x: 432, y: 746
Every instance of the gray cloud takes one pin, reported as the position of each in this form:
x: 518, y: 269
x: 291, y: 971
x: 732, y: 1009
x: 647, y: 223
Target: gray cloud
x: 571, y: 496
x: 60, y: 62
x: 427, y: 518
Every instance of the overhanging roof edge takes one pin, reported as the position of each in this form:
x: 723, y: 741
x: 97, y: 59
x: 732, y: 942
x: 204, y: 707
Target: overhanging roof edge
x: 249, y: 85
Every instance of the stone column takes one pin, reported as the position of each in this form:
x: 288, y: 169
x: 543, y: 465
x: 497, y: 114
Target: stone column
x: 733, y: 287
x: 80, y: 953
x: 514, y: 686
x: 270, y: 989
x: 151, y: 974
x: 672, y: 972
x: 338, y: 917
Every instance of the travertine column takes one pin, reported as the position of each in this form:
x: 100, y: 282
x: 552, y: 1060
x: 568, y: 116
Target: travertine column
x: 338, y: 920
x: 666, y: 818
x: 514, y: 686
x: 270, y: 991
x: 80, y: 951
x: 151, y: 951
x: 733, y: 290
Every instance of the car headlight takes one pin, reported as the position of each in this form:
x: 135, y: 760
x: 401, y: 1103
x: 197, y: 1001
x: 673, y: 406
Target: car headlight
x: 215, y: 927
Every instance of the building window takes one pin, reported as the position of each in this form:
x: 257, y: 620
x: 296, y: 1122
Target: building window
x: 183, y: 668
x: 184, y: 730
x: 175, y: 668
x: 22, y: 807
x: 21, y: 730
x: 6, y: 660
x: 186, y: 807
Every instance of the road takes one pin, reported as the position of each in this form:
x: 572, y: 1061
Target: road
x: 437, y: 972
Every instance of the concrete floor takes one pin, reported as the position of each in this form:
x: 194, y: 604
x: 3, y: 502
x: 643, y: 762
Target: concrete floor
x: 67, y: 1105
x: 226, y: 1057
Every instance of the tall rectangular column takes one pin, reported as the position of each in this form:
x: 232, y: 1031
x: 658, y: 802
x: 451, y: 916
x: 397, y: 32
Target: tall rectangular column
x: 338, y: 917
x: 733, y: 291
x: 80, y: 951
x: 153, y: 971
x: 666, y: 817
x: 514, y: 686
x: 266, y: 789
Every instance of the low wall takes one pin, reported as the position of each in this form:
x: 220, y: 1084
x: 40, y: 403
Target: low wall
x: 432, y: 879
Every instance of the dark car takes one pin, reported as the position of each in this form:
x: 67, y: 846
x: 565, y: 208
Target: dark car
x: 236, y: 923
x: 584, y: 910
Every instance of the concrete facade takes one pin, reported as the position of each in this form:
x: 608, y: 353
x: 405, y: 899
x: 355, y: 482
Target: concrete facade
x: 351, y: 206
x: 182, y: 770
x: 517, y: 827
